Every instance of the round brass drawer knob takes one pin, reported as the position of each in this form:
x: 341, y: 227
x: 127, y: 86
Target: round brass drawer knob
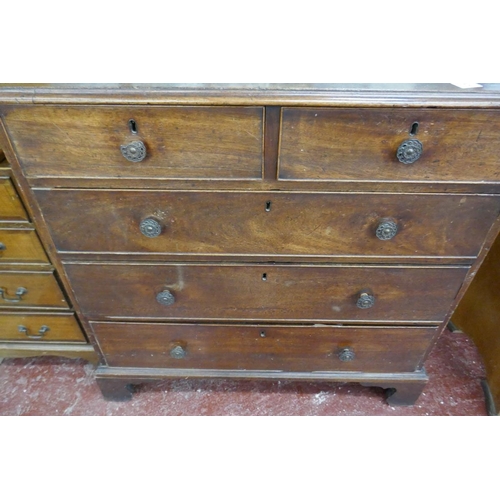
x: 165, y: 298
x: 346, y: 354
x: 178, y: 352
x: 410, y: 151
x: 134, y: 151
x: 386, y: 230
x: 365, y: 300
x: 150, y: 228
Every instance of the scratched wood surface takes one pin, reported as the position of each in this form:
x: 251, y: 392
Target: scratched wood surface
x: 181, y: 142
x: 272, y: 225
x: 361, y: 144
x: 265, y: 292
x: 263, y: 347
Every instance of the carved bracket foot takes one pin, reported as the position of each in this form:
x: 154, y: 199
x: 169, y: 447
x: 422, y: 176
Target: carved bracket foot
x: 115, y: 390
x: 404, y: 394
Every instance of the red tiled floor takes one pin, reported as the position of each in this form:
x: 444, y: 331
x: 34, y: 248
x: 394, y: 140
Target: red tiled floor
x: 56, y: 386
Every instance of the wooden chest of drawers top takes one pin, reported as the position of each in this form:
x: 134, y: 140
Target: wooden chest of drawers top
x: 307, y: 134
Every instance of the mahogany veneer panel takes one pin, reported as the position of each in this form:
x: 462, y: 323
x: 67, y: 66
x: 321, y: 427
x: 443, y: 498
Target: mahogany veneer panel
x: 263, y: 347
x: 267, y: 224
x: 265, y: 292
x: 361, y: 144
x: 181, y: 142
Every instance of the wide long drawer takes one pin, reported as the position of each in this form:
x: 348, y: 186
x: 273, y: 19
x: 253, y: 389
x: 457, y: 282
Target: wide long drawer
x: 186, y: 142
x: 263, y: 347
x: 28, y: 289
x: 372, y: 145
x: 30, y: 327
x: 21, y: 245
x: 265, y: 292
x: 267, y: 224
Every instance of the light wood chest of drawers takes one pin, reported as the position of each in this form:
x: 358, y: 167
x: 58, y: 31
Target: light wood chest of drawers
x: 281, y: 233
x: 35, y: 316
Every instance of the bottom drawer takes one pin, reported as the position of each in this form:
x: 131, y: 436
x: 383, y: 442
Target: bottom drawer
x: 283, y: 348
x: 40, y: 327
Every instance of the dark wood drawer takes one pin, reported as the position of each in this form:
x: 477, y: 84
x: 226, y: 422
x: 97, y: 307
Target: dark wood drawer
x: 181, y: 142
x: 265, y: 292
x: 27, y: 289
x: 267, y: 224
x: 361, y: 145
x: 21, y: 245
x: 11, y: 208
x: 40, y: 327
x: 264, y: 347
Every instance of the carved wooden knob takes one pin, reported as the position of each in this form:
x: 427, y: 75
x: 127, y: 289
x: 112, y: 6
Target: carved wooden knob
x: 178, y: 352
x: 386, y: 230
x: 365, y: 300
x: 134, y: 151
x: 409, y: 151
x: 346, y: 354
x: 165, y: 298
x: 150, y: 228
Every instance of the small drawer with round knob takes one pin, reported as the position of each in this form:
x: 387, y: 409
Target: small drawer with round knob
x: 149, y: 142
x: 389, y: 145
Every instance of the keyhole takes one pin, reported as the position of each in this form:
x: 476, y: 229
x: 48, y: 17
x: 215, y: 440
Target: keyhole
x: 414, y: 129
x: 268, y: 206
x: 262, y: 333
x: 132, y: 126
x: 264, y: 277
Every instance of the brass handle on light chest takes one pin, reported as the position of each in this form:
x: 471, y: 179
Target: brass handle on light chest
x: 43, y: 330
x: 19, y: 295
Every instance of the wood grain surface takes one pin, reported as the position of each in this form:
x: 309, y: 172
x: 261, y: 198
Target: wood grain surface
x: 361, y: 144
x: 270, y: 225
x: 11, y: 207
x: 478, y: 315
x: 181, y: 142
x: 22, y: 246
x: 265, y: 292
x: 62, y: 327
x: 42, y: 290
x: 263, y: 347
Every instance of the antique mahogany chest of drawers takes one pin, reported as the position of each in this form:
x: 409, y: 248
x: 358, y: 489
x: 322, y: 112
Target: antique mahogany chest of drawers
x: 294, y: 231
